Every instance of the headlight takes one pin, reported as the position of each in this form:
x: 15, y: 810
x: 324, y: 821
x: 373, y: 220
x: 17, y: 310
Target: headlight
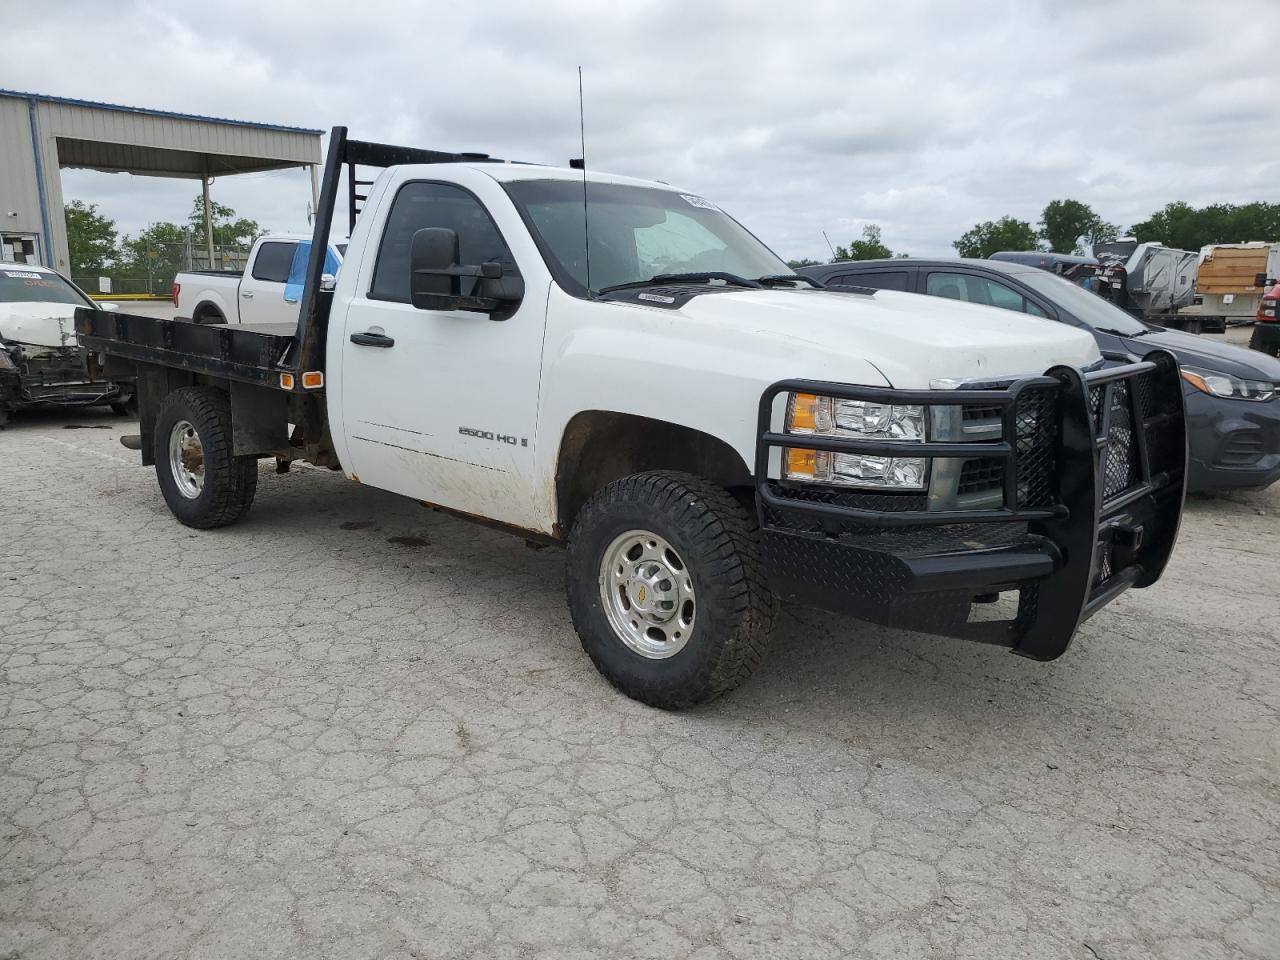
x: 1225, y: 385
x: 6, y: 362
x: 820, y: 416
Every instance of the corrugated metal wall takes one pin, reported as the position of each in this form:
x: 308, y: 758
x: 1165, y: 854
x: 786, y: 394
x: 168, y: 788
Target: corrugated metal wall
x: 18, y: 193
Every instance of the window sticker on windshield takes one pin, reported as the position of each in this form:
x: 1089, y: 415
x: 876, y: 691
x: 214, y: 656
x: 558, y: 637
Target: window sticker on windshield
x: 22, y: 275
x: 697, y: 202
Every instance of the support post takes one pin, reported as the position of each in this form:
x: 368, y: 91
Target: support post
x: 208, y: 217
x: 315, y: 188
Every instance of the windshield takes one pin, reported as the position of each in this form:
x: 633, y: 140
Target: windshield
x: 636, y: 233
x: 36, y: 286
x: 1085, y: 306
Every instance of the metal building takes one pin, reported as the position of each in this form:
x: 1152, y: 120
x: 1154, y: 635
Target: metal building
x: 39, y: 135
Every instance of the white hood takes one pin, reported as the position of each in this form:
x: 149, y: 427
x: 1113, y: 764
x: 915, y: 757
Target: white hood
x: 39, y: 324
x: 911, y: 339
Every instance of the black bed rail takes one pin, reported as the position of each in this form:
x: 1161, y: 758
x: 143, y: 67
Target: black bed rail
x: 246, y: 354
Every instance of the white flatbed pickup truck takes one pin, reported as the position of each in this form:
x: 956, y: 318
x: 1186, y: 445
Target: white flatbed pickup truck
x: 704, y: 430
x: 261, y: 293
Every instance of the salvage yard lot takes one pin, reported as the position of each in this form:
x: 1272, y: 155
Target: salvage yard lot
x: 349, y: 727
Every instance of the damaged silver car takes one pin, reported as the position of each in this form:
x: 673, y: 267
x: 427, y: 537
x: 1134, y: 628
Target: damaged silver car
x: 41, y: 362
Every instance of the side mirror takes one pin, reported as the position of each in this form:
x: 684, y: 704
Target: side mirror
x: 109, y: 307
x: 437, y: 281
x: 1259, y: 279
x: 328, y: 281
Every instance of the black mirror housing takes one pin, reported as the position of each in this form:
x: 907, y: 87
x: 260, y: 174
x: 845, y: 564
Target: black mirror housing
x: 433, y: 251
x: 437, y: 280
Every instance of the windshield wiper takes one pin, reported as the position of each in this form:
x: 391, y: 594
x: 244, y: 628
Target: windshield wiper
x: 700, y: 277
x: 772, y: 278
x: 1122, y: 333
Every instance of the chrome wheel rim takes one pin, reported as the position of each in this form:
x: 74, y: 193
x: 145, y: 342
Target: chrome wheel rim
x: 186, y: 459
x: 647, y: 593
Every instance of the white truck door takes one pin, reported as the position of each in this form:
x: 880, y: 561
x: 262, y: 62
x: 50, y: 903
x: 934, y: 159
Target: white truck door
x: 443, y: 407
x: 261, y: 294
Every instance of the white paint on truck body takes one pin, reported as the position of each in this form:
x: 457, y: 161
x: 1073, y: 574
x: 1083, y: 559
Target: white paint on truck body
x: 468, y: 412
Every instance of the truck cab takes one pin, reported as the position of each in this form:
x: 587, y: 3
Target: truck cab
x: 620, y: 367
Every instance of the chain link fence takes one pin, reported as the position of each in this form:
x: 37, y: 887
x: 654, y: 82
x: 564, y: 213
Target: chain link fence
x: 148, y: 269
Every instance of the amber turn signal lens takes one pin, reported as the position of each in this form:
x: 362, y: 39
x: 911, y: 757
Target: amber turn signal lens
x: 801, y: 463
x: 286, y: 381
x: 803, y: 414
x: 1196, y: 381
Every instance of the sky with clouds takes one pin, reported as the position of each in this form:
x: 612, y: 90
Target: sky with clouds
x: 923, y: 117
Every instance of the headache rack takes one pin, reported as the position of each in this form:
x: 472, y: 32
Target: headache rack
x: 1090, y: 469
x: 262, y: 353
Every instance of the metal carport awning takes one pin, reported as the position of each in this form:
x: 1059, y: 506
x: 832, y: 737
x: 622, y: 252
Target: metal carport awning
x: 160, y: 161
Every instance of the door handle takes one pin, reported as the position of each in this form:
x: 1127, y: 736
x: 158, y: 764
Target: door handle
x: 246, y: 296
x: 371, y: 339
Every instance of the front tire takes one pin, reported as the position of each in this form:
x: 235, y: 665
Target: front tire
x: 667, y: 590
x: 203, y: 484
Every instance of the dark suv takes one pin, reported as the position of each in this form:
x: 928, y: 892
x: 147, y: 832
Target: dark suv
x: 1232, y: 394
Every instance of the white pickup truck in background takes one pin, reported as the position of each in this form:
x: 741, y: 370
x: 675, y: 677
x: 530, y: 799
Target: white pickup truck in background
x: 261, y: 293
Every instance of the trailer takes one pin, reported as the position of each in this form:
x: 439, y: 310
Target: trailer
x: 1149, y: 280
x: 1230, y: 284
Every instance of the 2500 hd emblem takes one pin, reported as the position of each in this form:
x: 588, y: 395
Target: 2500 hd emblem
x: 496, y: 437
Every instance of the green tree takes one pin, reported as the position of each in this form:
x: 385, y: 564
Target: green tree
x: 91, y: 239
x: 228, y: 229
x: 1181, y: 225
x: 869, y: 247
x: 1003, y: 234
x: 1064, y: 223
x: 150, y: 260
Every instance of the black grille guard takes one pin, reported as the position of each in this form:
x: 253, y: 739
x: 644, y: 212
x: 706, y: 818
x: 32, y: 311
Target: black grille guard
x: 1094, y: 474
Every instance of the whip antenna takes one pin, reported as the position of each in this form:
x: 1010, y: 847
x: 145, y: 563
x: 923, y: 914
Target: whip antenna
x: 582, y: 136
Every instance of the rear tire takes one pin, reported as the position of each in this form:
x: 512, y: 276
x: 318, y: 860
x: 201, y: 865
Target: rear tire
x: 203, y: 484
x: 206, y: 313
x: 705, y: 558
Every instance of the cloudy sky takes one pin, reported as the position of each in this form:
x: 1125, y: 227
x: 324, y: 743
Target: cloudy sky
x: 922, y: 117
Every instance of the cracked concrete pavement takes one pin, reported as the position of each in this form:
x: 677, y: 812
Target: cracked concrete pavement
x: 352, y: 728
